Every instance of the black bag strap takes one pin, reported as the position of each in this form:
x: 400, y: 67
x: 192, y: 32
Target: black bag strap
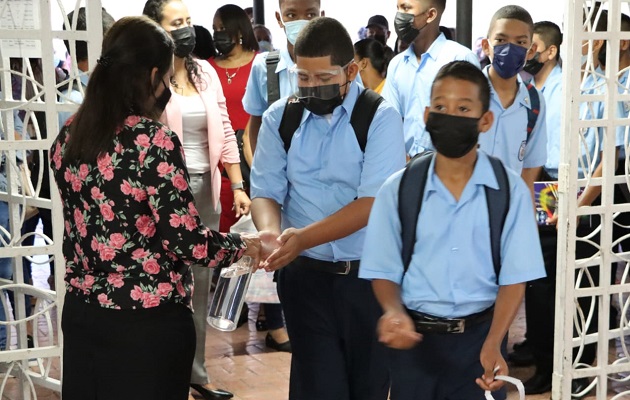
x: 534, y: 110
x: 411, y: 193
x: 362, y: 116
x: 273, y: 79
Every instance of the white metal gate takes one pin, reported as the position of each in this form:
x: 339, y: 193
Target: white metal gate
x: 26, y: 32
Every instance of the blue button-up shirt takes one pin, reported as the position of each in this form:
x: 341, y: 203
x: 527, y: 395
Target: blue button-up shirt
x: 255, y: 101
x: 507, y: 139
x: 451, y: 273
x: 325, y: 169
x: 18, y: 127
x: 408, y: 85
x: 552, y: 91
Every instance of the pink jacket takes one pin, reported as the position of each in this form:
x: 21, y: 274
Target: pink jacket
x: 221, y: 139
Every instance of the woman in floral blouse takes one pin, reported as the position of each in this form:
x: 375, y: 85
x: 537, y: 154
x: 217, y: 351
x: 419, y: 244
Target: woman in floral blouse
x: 131, y: 229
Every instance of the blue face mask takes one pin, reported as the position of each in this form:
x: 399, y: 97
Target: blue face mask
x: 509, y: 59
x: 264, y: 45
x: 293, y: 29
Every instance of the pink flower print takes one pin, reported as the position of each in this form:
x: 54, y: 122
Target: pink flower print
x: 80, y: 223
x: 151, y: 266
x: 106, y: 212
x: 150, y: 301
x: 179, y: 182
x: 162, y: 141
x: 75, y: 282
x: 164, y: 289
x: 78, y: 250
x: 105, y: 167
x: 200, y: 251
x: 57, y: 156
x: 83, y: 171
x: 156, y: 214
x: 132, y: 120
x: 151, y: 191
x: 104, y: 300
x: 68, y: 227
x: 180, y: 289
x: 139, y: 194
x: 119, y: 148
x: 96, y: 193
x: 67, y: 175
x: 164, y: 169
x: 88, y: 282
x: 76, y: 183
x: 175, y: 277
x: 120, y: 269
x: 117, y: 240
x: 145, y: 226
x: 94, y: 243
x: 142, y: 140
x: 190, y: 222
x: 125, y: 187
x: 136, y: 293
x: 139, y: 254
x: 116, y: 280
x: 86, y: 266
x: 106, y: 253
x: 142, y: 157
x: 175, y: 220
x: 192, y: 210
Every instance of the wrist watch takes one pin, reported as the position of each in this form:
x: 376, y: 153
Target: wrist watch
x: 238, y: 185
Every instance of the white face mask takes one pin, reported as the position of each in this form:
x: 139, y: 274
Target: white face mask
x: 293, y: 29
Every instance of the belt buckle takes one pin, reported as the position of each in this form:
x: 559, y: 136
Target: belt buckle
x: 459, y: 328
x: 348, y: 266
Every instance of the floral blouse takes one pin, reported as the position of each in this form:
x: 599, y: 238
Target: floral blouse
x: 131, y: 227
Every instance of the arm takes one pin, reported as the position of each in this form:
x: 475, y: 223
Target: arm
x: 254, y: 127
x: 266, y: 215
x: 242, y: 202
x: 344, y: 222
x: 531, y: 175
x: 506, y: 306
x: 395, y: 328
x: 247, y: 147
x: 591, y: 192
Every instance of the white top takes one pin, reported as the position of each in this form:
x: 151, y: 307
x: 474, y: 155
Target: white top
x: 195, y: 127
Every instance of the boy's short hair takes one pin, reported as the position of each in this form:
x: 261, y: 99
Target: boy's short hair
x: 465, y: 71
x: 323, y: 37
x: 512, y: 12
x: 439, y: 4
x: 319, y: 3
x: 625, y: 23
x: 80, y: 49
x: 550, y: 34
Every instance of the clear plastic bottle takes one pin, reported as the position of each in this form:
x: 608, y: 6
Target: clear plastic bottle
x: 229, y: 295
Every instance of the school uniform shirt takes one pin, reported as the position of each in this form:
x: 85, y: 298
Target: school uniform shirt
x: 451, y: 273
x: 255, y: 100
x: 593, y: 137
x: 552, y: 92
x: 325, y: 169
x: 408, y: 85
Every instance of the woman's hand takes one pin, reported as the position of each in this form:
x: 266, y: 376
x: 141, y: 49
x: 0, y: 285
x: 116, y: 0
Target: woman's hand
x: 254, y: 246
x: 241, y: 203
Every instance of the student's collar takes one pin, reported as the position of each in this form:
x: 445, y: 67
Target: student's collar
x: 483, y: 174
x: 433, y: 51
x: 285, y: 61
x: 522, y: 96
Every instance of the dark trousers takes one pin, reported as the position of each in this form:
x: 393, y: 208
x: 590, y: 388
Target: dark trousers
x: 331, y: 320
x: 443, y: 366
x: 126, y: 354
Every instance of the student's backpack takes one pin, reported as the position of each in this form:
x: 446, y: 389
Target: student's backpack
x: 273, y: 79
x: 534, y: 110
x: 361, y: 118
x: 411, y: 193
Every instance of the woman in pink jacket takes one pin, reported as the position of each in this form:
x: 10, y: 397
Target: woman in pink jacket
x: 197, y: 113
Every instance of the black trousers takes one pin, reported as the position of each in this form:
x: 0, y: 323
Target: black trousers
x: 443, y: 366
x: 331, y: 320
x: 142, y: 354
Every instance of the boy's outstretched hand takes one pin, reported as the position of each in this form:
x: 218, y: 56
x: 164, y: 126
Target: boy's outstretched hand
x: 493, y: 364
x: 396, y: 330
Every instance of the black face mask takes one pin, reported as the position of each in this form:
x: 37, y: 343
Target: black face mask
x: 162, y: 101
x: 381, y: 38
x: 405, y: 29
x: 184, y: 39
x: 223, y: 42
x: 601, y: 57
x: 321, y: 100
x: 453, y: 136
x: 533, y: 66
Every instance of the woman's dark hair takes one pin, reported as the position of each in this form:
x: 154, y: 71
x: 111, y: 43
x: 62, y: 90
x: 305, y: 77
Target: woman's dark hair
x: 120, y: 85
x: 374, y: 51
x: 238, y: 25
x: 153, y: 9
x: 204, y: 44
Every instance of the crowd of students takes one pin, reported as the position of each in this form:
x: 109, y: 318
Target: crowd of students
x: 393, y: 191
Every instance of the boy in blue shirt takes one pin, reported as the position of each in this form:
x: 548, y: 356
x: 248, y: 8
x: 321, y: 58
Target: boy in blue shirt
x: 315, y: 190
x: 451, y: 273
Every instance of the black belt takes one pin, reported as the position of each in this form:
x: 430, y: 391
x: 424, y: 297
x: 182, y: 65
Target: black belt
x: 339, y: 267
x: 426, y: 323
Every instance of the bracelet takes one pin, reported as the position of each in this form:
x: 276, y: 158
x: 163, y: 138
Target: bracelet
x: 238, y: 186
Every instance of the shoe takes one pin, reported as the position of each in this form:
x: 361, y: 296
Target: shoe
x: 578, y: 386
x: 537, y: 384
x: 272, y: 344
x: 211, y: 394
x: 521, y: 358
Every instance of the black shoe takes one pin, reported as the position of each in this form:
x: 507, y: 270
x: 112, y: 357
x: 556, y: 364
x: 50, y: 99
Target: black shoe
x: 272, y: 344
x: 578, y: 386
x: 522, y: 357
x: 537, y: 384
x: 211, y: 394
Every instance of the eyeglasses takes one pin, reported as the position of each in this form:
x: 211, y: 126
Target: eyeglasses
x: 306, y: 77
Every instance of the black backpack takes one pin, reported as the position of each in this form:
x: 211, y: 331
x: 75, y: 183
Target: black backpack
x: 273, y: 79
x: 362, y: 115
x: 411, y: 193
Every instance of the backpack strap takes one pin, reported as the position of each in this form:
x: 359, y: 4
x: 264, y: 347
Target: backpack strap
x: 273, y: 79
x: 534, y: 110
x: 290, y: 122
x: 498, y: 207
x: 363, y: 114
x: 410, y: 195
